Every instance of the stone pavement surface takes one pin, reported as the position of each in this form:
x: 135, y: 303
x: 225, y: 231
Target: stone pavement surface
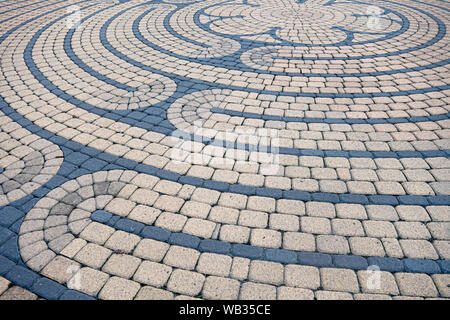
x: 237, y: 149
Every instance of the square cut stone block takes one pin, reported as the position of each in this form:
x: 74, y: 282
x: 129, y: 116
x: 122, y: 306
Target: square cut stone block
x: 218, y: 288
x: 339, y: 280
x: 153, y: 274
x: 121, y: 265
x: 332, y: 244
x: 416, y: 285
x: 93, y: 255
x: 320, y: 209
x: 265, y: 238
x: 186, y: 282
x: 266, y: 272
x: 181, y: 257
x: 214, y: 264
x: 119, y: 289
x: 257, y: 291
x: 289, y: 293
x: 150, y: 249
x: 302, y: 276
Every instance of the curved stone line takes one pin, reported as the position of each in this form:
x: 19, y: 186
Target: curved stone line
x: 441, y: 35
x: 373, y: 154
x: 249, y: 115
x: 25, y: 166
x: 246, y: 190
x: 349, y: 33
x: 285, y: 256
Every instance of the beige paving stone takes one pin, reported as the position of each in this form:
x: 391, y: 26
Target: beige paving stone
x: 150, y: 249
x: 236, y: 234
x: 88, y: 280
x: 207, y: 196
x: 196, y: 209
x: 382, y: 212
x: 18, y: 293
x: 60, y: 269
x: 265, y: 238
x: 152, y: 273
x: 333, y: 295
x: 150, y: 293
x: 284, y: 222
x: 365, y: 296
x: 218, y: 288
x: 171, y: 221
x: 351, y: 211
x: 320, y: 209
x: 97, y: 233
x: 93, y: 255
x: 420, y: 249
x: 266, y: 272
x: 315, y: 225
x: 332, y: 244
x: 144, y: 214
x: 257, y: 291
x: 169, y: 203
x: 299, y: 241
x: 199, y: 227
x: 122, y: 241
x: 380, y: 282
x: 289, y: 293
x: 339, y: 280
x: 392, y: 247
x: 214, y: 264
x: 119, y: 206
x: 288, y: 206
x: 442, y: 282
x: 261, y: 204
x: 302, y: 276
x: 119, y: 289
x: 224, y: 215
x: 181, y: 257
x: 254, y: 219
x: 233, y: 200
x: 186, y: 282
x: 412, y: 230
x: 380, y: 229
x: 347, y: 227
x: 365, y: 246
x: 416, y: 285
x: 121, y: 265
x: 240, y: 268
x: 4, y: 285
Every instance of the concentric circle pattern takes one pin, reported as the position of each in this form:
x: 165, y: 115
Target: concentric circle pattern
x: 225, y: 149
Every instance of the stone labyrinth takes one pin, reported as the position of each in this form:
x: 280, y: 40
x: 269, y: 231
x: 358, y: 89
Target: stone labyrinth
x: 225, y: 149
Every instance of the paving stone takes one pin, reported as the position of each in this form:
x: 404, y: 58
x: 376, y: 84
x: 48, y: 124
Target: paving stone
x: 415, y: 284
x: 181, y: 257
x: 217, y: 288
x: 288, y: 293
x: 266, y: 272
x: 150, y: 293
x: 380, y: 282
x: 302, y: 276
x: 332, y: 244
x: 214, y: 264
x: 152, y: 273
x: 257, y: 291
x: 185, y: 282
x: 121, y: 265
x: 119, y: 289
x: 339, y: 280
